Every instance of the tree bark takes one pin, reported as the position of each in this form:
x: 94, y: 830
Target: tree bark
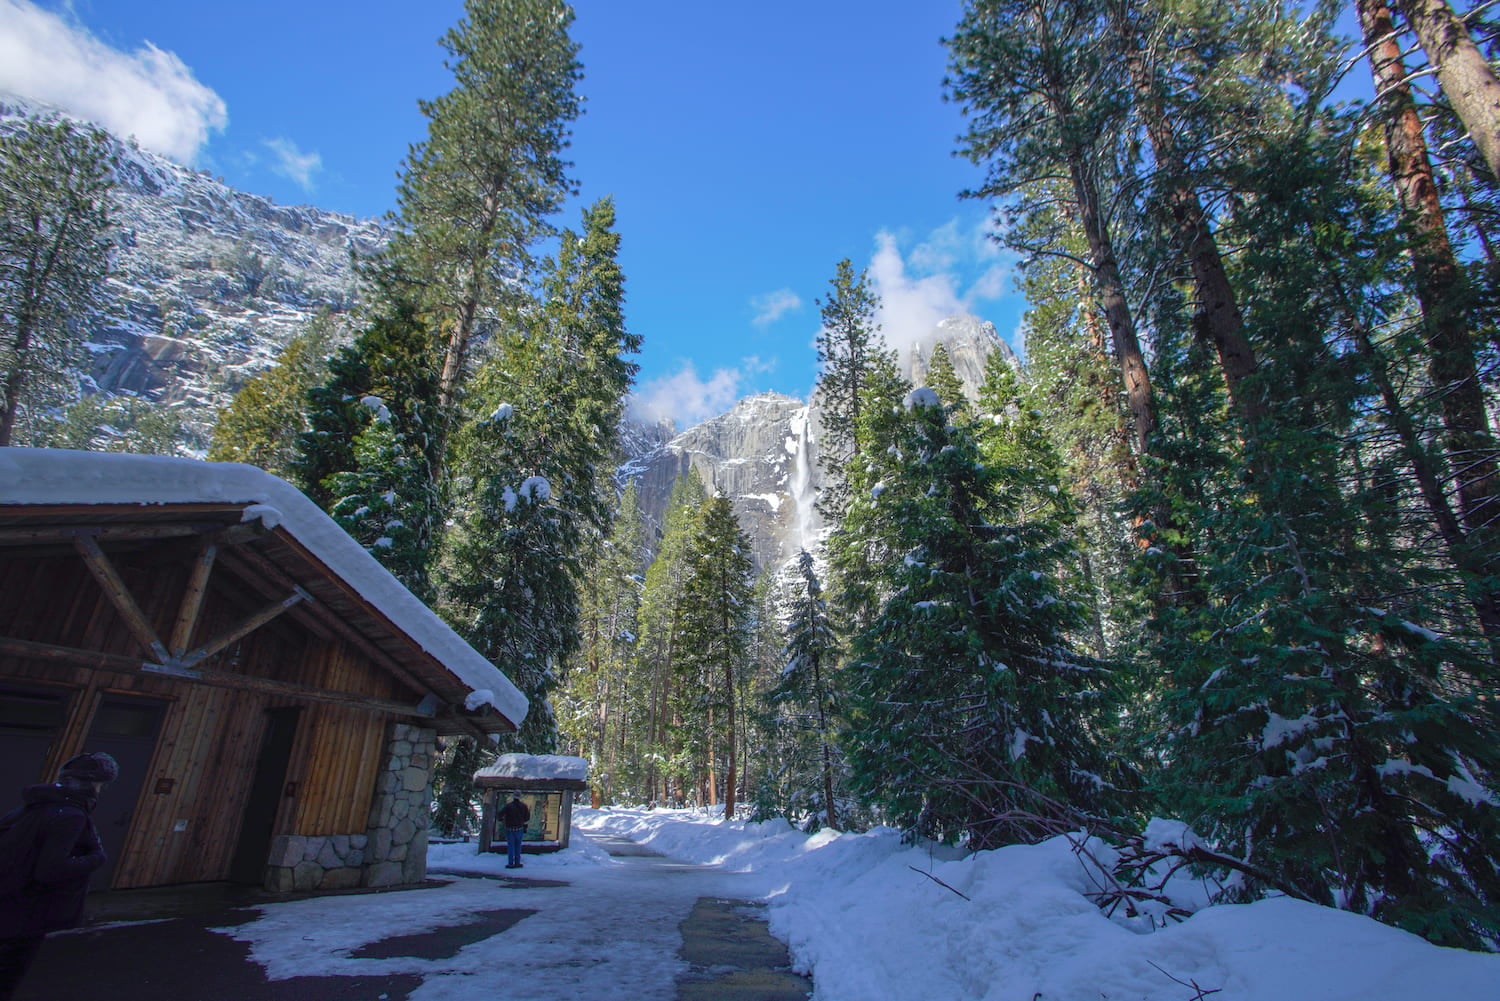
x: 1218, y: 316
x: 1466, y: 76
x: 1441, y: 292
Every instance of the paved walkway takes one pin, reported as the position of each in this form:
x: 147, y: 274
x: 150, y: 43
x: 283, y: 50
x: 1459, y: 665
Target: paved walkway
x: 653, y: 928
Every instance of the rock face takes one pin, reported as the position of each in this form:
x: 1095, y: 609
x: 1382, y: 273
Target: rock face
x: 763, y: 453
x: 211, y: 282
x: 760, y: 454
x: 969, y: 342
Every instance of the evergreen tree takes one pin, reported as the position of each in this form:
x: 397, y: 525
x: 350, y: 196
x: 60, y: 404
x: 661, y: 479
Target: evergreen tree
x: 712, y: 659
x: 476, y: 196
x: 267, y: 416
x: 56, y: 218
x: 598, y: 715
x: 848, y: 345
x: 115, y: 424
x: 529, y: 500
x: 967, y: 711
x: 943, y: 380
x: 372, y: 449
x: 662, y: 603
x: 455, y: 811
x: 805, y: 689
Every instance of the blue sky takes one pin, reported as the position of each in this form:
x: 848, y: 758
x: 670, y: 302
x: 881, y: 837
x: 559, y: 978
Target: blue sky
x: 748, y: 148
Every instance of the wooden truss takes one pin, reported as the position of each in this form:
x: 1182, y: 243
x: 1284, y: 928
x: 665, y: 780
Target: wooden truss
x: 173, y: 656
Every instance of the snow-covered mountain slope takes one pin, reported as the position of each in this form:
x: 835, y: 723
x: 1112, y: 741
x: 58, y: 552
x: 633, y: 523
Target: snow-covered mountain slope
x: 763, y: 452
x: 211, y: 282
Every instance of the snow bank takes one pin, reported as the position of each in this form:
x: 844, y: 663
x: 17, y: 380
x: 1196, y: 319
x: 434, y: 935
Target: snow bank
x: 55, y: 476
x: 867, y: 927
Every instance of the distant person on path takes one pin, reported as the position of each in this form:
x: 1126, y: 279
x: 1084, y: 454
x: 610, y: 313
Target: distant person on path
x: 48, y: 850
x: 515, y: 815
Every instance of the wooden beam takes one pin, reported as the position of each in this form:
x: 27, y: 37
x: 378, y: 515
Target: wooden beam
x: 220, y: 534
x: 119, y: 595
x: 242, y: 630
x: 54, y: 654
x: 68, y: 533
x: 192, y: 599
x: 260, y: 564
x: 218, y: 679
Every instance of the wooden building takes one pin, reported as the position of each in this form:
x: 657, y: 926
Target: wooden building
x: 272, y: 694
x: 546, y: 783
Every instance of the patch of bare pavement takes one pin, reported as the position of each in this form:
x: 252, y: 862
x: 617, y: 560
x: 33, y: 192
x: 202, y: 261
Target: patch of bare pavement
x: 734, y: 957
x: 730, y: 949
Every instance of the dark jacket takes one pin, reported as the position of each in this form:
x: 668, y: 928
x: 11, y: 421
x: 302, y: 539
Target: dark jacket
x: 63, y: 850
x: 515, y: 815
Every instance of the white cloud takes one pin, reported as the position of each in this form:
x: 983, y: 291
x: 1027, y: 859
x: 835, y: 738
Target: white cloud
x: 910, y: 305
x: 952, y: 270
x: 150, y: 94
x: 293, y: 164
x: 772, y: 306
x: 688, y: 399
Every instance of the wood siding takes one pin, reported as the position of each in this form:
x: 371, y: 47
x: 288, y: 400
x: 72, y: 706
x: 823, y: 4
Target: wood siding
x: 210, y: 740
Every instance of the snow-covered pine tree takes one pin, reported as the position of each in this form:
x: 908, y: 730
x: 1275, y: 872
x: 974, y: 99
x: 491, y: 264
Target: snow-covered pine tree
x: 370, y: 454
x: 966, y: 709
x: 804, y: 700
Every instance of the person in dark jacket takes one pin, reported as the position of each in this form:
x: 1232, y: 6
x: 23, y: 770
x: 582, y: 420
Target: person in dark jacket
x: 56, y: 849
x: 515, y: 815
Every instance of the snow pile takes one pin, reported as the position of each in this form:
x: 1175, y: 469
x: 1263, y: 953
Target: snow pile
x: 871, y: 919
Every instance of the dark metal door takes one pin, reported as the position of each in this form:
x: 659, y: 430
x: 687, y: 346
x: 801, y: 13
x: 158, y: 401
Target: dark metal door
x: 126, y: 728
x: 30, y: 719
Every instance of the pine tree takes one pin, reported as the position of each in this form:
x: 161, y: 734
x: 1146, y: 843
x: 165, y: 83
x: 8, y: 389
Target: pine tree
x: 475, y: 197
x: 371, y: 452
x: 943, y: 380
x: 713, y: 657
x: 848, y: 344
x: 598, y: 715
x: 455, y: 812
x: 265, y: 419
x: 56, y: 218
x: 662, y: 604
x: 967, y: 711
x: 529, y: 501
x: 805, y: 689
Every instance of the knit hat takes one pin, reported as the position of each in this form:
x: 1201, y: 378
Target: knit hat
x: 95, y: 766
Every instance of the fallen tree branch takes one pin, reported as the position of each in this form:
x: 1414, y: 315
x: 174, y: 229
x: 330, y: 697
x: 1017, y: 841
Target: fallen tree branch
x: 1203, y: 992
x: 939, y: 882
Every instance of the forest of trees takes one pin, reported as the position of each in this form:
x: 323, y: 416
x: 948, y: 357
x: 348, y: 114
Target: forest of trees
x: 1224, y: 549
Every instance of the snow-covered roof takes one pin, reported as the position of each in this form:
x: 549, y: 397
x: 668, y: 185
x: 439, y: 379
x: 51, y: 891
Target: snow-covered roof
x: 533, y: 767
x: 55, y: 476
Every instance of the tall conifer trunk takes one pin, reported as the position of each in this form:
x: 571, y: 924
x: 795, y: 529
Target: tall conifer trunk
x: 1218, y: 317
x: 1467, y: 78
x: 1442, y: 295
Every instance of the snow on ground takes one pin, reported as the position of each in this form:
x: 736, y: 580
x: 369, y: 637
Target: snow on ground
x: 611, y: 933
x: 856, y: 917
x: 867, y: 927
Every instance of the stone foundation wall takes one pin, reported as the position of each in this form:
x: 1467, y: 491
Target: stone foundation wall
x: 392, y: 850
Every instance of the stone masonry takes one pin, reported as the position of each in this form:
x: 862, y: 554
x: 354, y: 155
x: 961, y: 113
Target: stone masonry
x: 393, y: 848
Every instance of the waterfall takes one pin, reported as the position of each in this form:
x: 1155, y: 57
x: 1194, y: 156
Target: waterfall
x: 799, y: 481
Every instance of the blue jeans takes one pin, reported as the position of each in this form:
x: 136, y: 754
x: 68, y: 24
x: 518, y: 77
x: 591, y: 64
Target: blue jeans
x: 513, y: 837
